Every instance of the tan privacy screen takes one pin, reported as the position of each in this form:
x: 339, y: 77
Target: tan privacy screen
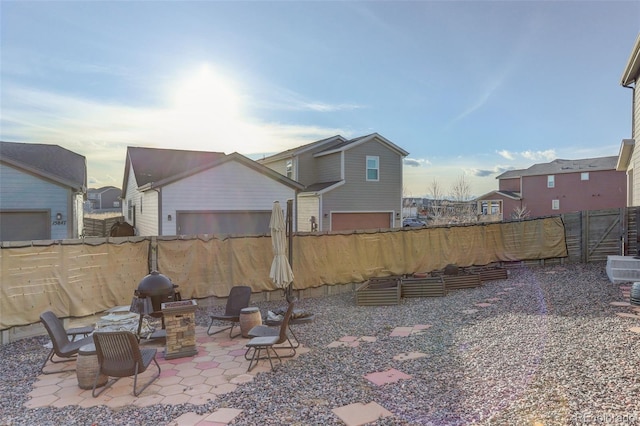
x: 70, y: 280
x: 81, y: 279
x: 211, y: 268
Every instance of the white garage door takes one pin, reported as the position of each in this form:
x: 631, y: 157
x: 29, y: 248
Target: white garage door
x: 233, y: 222
x: 24, y: 226
x: 349, y: 221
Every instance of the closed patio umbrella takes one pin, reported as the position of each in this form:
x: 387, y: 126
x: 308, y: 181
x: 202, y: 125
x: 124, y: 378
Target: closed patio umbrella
x: 281, y: 273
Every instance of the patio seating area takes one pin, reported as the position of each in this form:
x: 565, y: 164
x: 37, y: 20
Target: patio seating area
x: 551, y: 345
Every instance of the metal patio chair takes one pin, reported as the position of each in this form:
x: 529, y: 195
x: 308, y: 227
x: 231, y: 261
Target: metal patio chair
x: 239, y: 297
x: 266, y: 343
x: 62, y: 346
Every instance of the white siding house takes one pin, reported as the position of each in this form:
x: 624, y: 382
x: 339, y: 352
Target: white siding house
x: 200, y: 193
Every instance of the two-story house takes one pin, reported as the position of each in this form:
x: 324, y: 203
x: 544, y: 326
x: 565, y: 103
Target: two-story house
x: 104, y: 199
x: 42, y: 190
x: 348, y: 183
x: 629, y: 157
x: 561, y: 186
x: 178, y: 192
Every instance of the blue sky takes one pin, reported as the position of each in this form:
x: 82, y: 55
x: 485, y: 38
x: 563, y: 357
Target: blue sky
x: 467, y: 88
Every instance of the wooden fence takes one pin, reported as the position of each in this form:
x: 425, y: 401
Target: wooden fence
x: 99, y: 227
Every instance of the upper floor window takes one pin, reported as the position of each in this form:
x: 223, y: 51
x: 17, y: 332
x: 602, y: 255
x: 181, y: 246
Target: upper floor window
x: 551, y: 181
x: 373, y: 167
x: 289, y: 167
x: 584, y: 176
x: 555, y: 204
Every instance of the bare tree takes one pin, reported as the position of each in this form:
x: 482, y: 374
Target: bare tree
x: 435, y: 209
x: 461, y: 195
x: 520, y: 213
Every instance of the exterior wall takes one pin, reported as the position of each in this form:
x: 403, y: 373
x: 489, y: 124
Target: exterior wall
x: 132, y: 199
x: 108, y: 197
x: 230, y: 186
x: 634, y: 163
x: 306, y: 168
x: 307, y: 207
x: 604, y: 189
x: 329, y: 167
x: 24, y: 191
x: 358, y: 194
x: 512, y: 184
x: 147, y: 213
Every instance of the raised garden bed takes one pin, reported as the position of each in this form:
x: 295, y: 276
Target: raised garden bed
x: 493, y: 274
x: 457, y: 282
x: 379, y: 292
x: 423, y: 287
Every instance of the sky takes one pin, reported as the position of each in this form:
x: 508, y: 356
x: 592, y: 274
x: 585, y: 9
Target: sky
x: 469, y: 89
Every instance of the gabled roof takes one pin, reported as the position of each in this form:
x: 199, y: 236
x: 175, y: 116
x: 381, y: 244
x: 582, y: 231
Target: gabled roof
x: 331, y: 145
x: 333, y: 140
x: 560, y: 166
x: 352, y: 143
x: 49, y: 161
x: 154, y: 167
x: 508, y: 194
x: 631, y: 71
x: 321, y: 188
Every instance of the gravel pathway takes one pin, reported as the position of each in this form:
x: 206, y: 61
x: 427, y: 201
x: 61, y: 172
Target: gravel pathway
x: 548, y: 348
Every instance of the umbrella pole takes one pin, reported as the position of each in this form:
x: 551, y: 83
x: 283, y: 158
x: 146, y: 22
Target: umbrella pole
x: 289, y: 232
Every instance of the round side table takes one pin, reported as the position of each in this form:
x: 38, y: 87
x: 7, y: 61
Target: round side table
x: 87, y: 367
x: 249, y: 318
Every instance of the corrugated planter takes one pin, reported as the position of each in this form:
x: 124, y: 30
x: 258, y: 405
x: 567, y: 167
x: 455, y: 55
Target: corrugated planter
x: 423, y: 286
x: 456, y: 282
x: 378, y: 292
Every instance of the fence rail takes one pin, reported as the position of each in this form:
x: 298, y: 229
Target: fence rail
x: 99, y: 227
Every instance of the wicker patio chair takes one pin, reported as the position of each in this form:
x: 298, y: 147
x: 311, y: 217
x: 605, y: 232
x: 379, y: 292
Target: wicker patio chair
x: 239, y: 297
x: 266, y: 343
x: 62, y: 347
x: 119, y: 355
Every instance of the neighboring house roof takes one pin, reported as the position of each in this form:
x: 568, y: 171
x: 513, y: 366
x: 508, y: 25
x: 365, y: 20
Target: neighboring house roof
x: 333, y: 144
x: 49, y: 161
x: 491, y: 195
x: 102, y: 190
x: 560, y: 166
x: 333, y: 140
x: 632, y: 69
x: 348, y: 144
x: 319, y: 188
x: 154, y: 168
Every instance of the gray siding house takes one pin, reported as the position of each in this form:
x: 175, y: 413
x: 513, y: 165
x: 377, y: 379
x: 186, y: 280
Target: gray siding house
x: 106, y: 198
x: 348, y: 183
x: 176, y: 192
x: 42, y: 190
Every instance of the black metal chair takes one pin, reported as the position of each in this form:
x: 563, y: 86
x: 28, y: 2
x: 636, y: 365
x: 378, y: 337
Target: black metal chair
x: 119, y: 355
x: 267, y: 343
x: 239, y: 297
x: 62, y: 346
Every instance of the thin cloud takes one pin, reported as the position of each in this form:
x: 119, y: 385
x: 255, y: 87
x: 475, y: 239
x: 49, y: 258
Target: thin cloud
x: 416, y: 162
x: 497, y: 170
x: 548, y: 155
x: 506, y: 154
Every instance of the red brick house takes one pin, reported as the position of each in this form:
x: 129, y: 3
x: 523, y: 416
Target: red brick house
x: 561, y: 186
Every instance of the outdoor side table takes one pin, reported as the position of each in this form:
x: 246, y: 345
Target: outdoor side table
x: 249, y: 318
x: 87, y: 366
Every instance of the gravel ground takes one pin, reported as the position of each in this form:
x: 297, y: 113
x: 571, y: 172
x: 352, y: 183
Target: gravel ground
x: 551, y: 351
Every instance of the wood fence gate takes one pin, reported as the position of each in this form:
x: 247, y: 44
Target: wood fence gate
x: 595, y: 234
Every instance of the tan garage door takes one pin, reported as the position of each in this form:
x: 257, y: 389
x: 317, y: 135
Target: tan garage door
x: 348, y: 221
x: 24, y: 226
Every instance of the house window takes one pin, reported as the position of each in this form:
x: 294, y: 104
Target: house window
x: 584, y: 176
x: 289, y: 167
x: 555, y: 204
x: 551, y: 181
x: 130, y: 211
x: 373, y: 168
x: 116, y: 204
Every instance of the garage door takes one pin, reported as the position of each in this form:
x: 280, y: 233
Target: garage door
x: 24, y: 226
x: 348, y: 221
x: 237, y: 223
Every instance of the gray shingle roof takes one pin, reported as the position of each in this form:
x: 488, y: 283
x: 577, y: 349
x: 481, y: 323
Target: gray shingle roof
x: 564, y: 166
x: 51, y: 161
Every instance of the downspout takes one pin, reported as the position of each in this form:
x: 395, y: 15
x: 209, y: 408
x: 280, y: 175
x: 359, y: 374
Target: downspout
x: 630, y: 198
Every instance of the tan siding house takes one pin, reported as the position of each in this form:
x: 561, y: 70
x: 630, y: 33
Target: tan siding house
x: 349, y: 184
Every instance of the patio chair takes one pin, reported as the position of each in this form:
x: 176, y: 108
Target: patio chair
x: 266, y: 343
x: 239, y: 297
x: 62, y: 346
x: 119, y: 355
